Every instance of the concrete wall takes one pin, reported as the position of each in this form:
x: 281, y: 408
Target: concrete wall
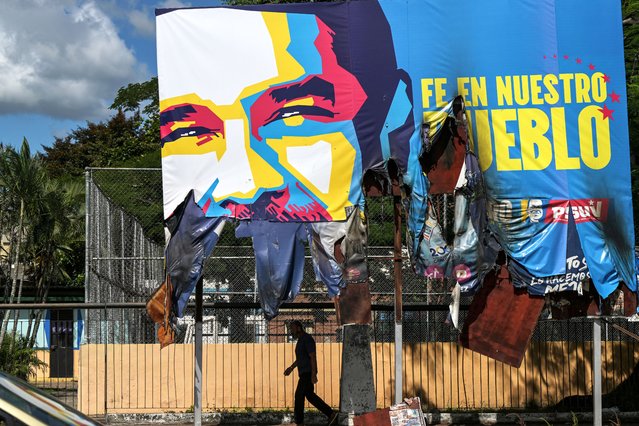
x: 144, y: 379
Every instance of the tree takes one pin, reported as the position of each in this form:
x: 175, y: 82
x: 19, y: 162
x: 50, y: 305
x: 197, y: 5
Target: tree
x: 43, y: 218
x: 21, y: 178
x: 104, y: 144
x: 128, y: 138
x: 630, y: 15
x: 18, y: 358
x: 58, y: 225
x: 132, y: 97
x: 143, y: 99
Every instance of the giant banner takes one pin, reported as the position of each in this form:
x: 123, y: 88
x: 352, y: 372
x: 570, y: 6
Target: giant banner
x: 275, y: 112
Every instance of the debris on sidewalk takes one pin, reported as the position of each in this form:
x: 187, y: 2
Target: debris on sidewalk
x: 408, y: 413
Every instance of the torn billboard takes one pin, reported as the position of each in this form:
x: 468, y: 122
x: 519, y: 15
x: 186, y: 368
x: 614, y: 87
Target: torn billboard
x: 274, y: 112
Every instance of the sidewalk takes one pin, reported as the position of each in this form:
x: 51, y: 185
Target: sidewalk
x: 610, y: 416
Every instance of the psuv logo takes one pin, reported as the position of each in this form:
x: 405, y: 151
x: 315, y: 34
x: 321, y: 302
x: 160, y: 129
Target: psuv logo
x: 584, y: 210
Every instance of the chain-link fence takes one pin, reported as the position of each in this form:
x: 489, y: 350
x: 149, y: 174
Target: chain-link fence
x: 125, y: 241
x: 124, y: 246
x: 114, y: 377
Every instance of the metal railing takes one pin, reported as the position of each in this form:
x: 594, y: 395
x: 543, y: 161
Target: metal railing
x: 244, y: 358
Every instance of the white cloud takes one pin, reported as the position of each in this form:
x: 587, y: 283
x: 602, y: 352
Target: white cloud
x: 170, y: 4
x: 142, y: 22
x: 61, y: 59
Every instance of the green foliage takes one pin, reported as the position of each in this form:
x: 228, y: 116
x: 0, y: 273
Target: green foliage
x: 138, y: 194
x: 18, y: 358
x: 379, y: 214
x: 635, y: 194
x: 152, y: 159
x: 104, y: 144
x: 133, y: 96
x: 630, y: 16
x: 71, y: 262
x: 143, y: 97
x: 57, y: 237
x: 21, y: 176
x: 575, y: 419
x: 50, y: 228
x: 130, y: 138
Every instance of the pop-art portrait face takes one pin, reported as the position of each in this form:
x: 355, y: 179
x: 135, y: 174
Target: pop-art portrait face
x: 268, y: 130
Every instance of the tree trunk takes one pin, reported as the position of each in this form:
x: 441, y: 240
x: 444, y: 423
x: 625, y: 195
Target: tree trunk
x: 16, y: 315
x: 32, y: 315
x: 38, y: 319
x: 35, y: 315
x: 14, y: 282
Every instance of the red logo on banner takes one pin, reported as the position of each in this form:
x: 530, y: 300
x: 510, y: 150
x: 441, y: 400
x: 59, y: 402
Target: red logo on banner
x: 584, y: 210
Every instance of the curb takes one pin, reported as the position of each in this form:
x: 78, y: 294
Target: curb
x: 474, y: 418
x: 542, y: 418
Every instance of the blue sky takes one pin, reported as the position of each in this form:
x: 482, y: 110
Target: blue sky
x: 62, y: 61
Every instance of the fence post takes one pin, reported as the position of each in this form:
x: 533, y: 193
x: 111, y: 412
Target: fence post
x: 197, y: 382
x: 397, y: 269
x: 87, y: 248
x: 596, y: 372
x: 106, y: 363
x: 87, y: 240
x: 357, y: 383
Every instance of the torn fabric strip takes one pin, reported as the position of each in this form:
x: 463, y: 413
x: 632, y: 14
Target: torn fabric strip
x: 192, y: 241
x: 473, y: 251
x: 576, y: 277
x: 279, y: 260
x: 193, y: 237
x: 344, y: 239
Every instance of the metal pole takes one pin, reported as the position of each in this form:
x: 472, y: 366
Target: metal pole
x: 197, y: 382
x: 386, y: 307
x: 87, y: 245
x: 106, y: 362
x: 397, y: 269
x: 87, y: 240
x: 596, y: 372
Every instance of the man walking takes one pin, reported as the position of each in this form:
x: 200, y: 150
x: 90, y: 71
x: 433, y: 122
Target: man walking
x: 306, y: 363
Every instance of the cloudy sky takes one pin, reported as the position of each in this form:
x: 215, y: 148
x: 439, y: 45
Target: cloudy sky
x: 62, y: 61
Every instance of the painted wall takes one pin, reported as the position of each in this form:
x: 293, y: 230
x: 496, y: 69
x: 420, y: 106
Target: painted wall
x: 143, y: 379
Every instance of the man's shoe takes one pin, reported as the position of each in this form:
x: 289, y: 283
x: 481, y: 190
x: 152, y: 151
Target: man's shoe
x: 333, y: 419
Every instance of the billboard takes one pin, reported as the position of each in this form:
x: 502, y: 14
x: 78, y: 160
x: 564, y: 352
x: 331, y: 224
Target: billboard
x: 274, y: 113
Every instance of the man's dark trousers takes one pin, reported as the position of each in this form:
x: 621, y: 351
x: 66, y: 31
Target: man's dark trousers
x: 306, y: 389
